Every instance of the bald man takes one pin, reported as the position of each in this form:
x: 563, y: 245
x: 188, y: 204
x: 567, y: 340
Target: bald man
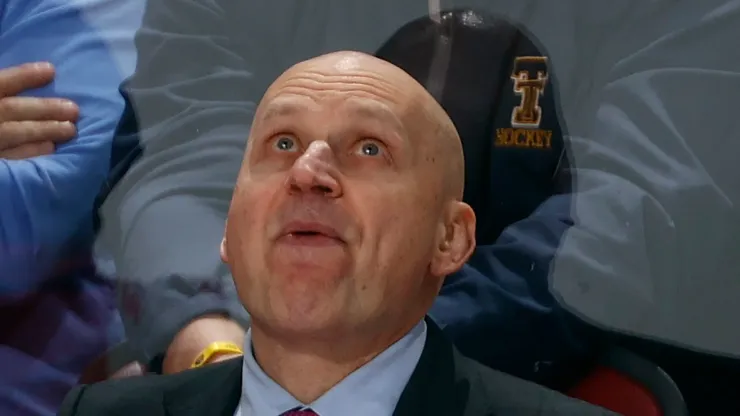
x: 346, y: 218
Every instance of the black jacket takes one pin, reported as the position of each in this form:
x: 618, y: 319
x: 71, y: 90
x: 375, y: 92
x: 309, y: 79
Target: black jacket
x: 444, y: 383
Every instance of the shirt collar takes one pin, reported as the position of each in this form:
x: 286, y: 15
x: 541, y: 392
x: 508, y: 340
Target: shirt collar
x: 373, y: 389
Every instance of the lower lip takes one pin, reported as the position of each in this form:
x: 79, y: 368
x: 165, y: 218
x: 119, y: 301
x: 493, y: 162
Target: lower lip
x: 310, y: 240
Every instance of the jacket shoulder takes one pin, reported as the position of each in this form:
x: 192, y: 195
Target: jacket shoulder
x: 492, y: 392
x: 115, y: 396
x: 144, y: 395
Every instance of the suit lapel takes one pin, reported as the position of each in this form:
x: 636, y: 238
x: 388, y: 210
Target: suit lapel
x: 432, y: 389
x: 213, y: 390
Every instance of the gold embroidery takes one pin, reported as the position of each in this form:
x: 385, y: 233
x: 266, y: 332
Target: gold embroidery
x: 523, y: 138
x: 528, y: 113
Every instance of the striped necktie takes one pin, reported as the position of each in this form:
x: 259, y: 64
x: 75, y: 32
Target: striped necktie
x: 300, y: 412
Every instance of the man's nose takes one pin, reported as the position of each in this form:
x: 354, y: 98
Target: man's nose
x: 315, y: 172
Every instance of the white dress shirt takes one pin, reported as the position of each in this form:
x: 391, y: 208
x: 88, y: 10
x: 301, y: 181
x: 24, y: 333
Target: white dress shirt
x: 371, y: 390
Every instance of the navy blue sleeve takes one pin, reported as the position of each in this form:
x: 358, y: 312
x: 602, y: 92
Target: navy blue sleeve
x: 499, y: 308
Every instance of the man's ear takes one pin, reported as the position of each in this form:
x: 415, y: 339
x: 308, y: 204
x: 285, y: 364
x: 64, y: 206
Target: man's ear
x: 457, y: 242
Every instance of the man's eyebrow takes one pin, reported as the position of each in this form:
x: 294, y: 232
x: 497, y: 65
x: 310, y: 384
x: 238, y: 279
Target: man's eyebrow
x: 281, y: 108
x: 376, y: 111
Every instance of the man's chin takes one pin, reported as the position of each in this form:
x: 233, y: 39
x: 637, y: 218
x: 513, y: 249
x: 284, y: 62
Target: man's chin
x: 321, y: 265
x: 308, y: 324
x: 309, y: 277
x: 309, y: 306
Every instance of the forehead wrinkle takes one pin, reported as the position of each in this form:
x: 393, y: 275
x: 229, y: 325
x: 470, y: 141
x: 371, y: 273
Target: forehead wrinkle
x: 355, y: 72
x: 347, y: 82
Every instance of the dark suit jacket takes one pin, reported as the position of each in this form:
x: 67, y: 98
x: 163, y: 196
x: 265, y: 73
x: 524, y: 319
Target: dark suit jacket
x: 444, y: 383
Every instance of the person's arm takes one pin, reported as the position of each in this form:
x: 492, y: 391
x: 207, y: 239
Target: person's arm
x: 189, y: 109
x: 47, y: 201
x: 498, y: 308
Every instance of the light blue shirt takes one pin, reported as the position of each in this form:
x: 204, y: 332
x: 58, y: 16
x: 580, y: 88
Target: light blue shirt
x: 46, y: 202
x: 371, y: 390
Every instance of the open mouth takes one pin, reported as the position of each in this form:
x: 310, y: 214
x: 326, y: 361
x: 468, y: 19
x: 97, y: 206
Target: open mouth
x: 307, y: 234
x: 312, y: 234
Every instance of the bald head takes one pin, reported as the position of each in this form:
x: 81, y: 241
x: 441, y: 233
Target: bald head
x: 429, y: 127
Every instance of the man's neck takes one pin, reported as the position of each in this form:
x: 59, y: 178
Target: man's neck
x: 309, y: 368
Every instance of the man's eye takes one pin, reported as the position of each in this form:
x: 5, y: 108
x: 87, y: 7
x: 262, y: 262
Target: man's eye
x: 285, y: 144
x: 369, y: 148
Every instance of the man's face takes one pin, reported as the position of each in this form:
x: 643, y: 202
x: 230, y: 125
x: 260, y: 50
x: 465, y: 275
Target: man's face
x: 337, y: 209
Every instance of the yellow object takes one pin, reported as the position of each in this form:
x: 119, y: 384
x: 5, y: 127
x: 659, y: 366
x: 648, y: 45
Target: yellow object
x: 213, y: 349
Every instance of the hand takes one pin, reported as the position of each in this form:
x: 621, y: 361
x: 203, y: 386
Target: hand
x: 196, y: 336
x: 31, y: 126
